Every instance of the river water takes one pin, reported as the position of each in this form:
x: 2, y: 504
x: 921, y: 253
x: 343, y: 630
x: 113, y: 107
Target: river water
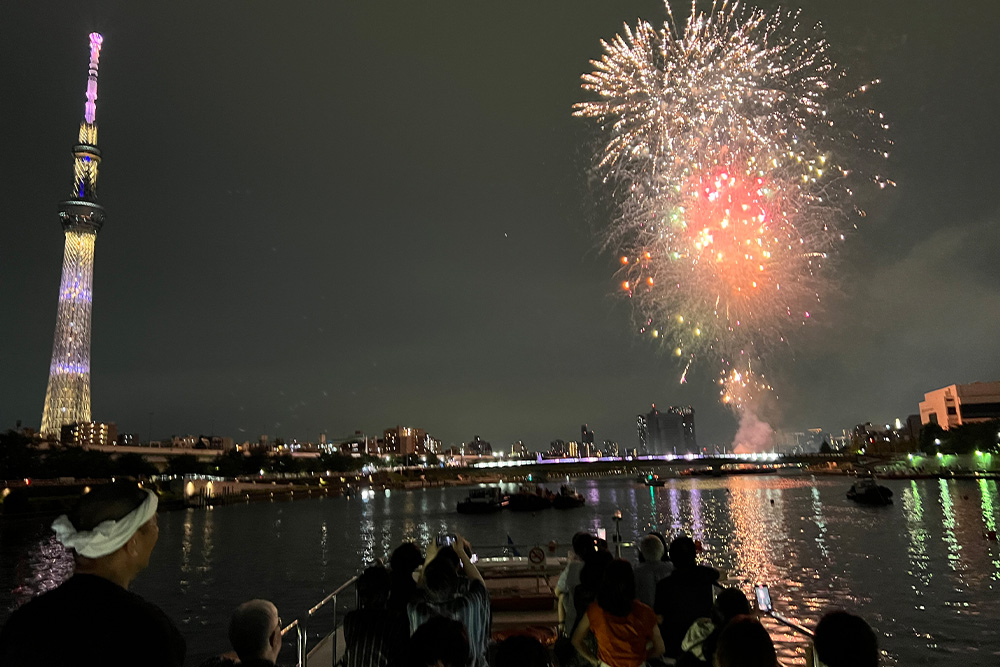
x: 921, y: 571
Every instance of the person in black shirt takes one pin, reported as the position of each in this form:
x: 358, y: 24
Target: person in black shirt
x: 684, y: 596
x: 93, y: 619
x: 402, y: 586
x: 374, y: 635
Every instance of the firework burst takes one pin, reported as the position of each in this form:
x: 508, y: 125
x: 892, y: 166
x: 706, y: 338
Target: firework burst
x: 732, y: 146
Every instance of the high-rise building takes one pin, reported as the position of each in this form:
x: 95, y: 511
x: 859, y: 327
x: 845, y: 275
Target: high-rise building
x: 586, y: 435
x: 642, y: 427
x: 67, y: 399
x: 404, y: 440
x: 478, y: 447
x: 670, y: 432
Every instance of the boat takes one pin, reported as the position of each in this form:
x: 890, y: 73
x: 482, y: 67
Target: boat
x: 483, y: 501
x: 867, y: 491
x: 568, y: 498
x: 652, y: 480
x: 523, y: 601
x: 531, y: 500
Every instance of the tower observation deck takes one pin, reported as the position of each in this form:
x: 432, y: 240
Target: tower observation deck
x: 67, y: 399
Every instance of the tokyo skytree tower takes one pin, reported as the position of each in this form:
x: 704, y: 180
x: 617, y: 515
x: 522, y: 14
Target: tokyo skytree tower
x: 67, y: 399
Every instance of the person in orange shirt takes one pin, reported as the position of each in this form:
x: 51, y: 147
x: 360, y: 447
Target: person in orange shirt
x: 625, y: 629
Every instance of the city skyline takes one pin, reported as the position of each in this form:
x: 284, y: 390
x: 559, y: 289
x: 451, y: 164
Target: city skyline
x: 376, y: 215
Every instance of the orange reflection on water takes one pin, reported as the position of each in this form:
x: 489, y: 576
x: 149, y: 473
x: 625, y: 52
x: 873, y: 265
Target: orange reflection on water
x: 759, y: 531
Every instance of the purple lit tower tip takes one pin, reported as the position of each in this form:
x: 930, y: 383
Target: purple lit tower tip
x: 90, y: 110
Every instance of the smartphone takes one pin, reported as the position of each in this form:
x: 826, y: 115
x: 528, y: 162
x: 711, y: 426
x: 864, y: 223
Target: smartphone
x: 602, y: 533
x: 445, y: 540
x: 763, y: 597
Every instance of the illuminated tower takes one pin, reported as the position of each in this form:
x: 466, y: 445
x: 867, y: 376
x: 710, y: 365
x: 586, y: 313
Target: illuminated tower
x: 67, y: 399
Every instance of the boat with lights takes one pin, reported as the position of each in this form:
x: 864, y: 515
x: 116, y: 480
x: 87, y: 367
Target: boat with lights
x: 483, y: 501
x: 867, y: 491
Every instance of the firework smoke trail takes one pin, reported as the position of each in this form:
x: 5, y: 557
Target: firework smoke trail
x: 730, y: 155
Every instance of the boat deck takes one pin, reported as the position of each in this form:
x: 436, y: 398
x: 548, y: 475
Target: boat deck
x: 522, y: 597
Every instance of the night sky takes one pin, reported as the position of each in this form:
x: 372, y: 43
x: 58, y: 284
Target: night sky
x: 335, y: 216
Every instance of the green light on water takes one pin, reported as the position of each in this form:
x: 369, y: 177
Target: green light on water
x: 989, y: 517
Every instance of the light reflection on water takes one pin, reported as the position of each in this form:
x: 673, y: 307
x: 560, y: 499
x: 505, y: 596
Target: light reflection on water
x: 922, y: 571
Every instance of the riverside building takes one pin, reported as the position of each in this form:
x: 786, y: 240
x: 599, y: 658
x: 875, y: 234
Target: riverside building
x: 959, y: 404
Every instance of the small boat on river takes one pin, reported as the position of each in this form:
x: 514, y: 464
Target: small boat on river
x: 867, y: 491
x: 483, y: 501
x: 531, y: 500
x: 568, y: 498
x: 652, y: 480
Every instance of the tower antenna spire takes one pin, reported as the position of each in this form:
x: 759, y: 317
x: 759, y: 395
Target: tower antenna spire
x: 90, y: 109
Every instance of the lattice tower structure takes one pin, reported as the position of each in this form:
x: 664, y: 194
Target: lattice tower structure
x: 67, y: 399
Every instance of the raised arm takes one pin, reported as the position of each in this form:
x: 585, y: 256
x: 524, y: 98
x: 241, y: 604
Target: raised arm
x: 462, y: 548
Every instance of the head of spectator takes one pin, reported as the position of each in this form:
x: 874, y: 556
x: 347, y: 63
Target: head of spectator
x: 650, y: 549
x: 845, y: 639
x: 592, y: 573
x: 617, y: 591
x: 682, y: 552
x: 520, y: 651
x: 373, y: 588
x: 441, y: 575
x: 112, y: 531
x: 584, y: 545
x: 730, y: 603
x: 405, y: 559
x: 255, y: 631
x: 745, y: 643
x: 439, y: 642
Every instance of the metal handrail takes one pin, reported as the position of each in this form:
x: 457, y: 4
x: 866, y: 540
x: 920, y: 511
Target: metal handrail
x: 788, y: 623
x: 299, y: 624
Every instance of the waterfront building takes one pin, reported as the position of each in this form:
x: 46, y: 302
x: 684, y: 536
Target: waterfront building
x: 643, y: 431
x: 478, y: 447
x: 610, y: 448
x: 67, y: 398
x: 959, y: 404
x: 518, y: 450
x: 670, y: 432
x: 586, y: 435
x: 89, y: 434
x: 404, y: 440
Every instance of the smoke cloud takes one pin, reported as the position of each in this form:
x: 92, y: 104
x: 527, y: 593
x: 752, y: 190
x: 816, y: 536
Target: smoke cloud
x: 753, y: 435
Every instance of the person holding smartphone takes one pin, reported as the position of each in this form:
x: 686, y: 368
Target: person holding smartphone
x: 451, y: 586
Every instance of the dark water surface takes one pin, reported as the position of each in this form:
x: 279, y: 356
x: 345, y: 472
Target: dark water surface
x: 921, y: 571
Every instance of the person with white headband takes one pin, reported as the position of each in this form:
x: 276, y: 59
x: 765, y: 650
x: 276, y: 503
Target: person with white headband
x: 92, y: 618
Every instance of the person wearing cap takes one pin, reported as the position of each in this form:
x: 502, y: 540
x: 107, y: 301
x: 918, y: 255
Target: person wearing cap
x: 92, y: 618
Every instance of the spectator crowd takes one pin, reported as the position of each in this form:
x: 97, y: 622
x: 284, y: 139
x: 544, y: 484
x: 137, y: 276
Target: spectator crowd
x: 426, y: 609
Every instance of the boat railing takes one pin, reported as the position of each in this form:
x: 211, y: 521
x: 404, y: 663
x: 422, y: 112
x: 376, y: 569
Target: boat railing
x: 301, y: 624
